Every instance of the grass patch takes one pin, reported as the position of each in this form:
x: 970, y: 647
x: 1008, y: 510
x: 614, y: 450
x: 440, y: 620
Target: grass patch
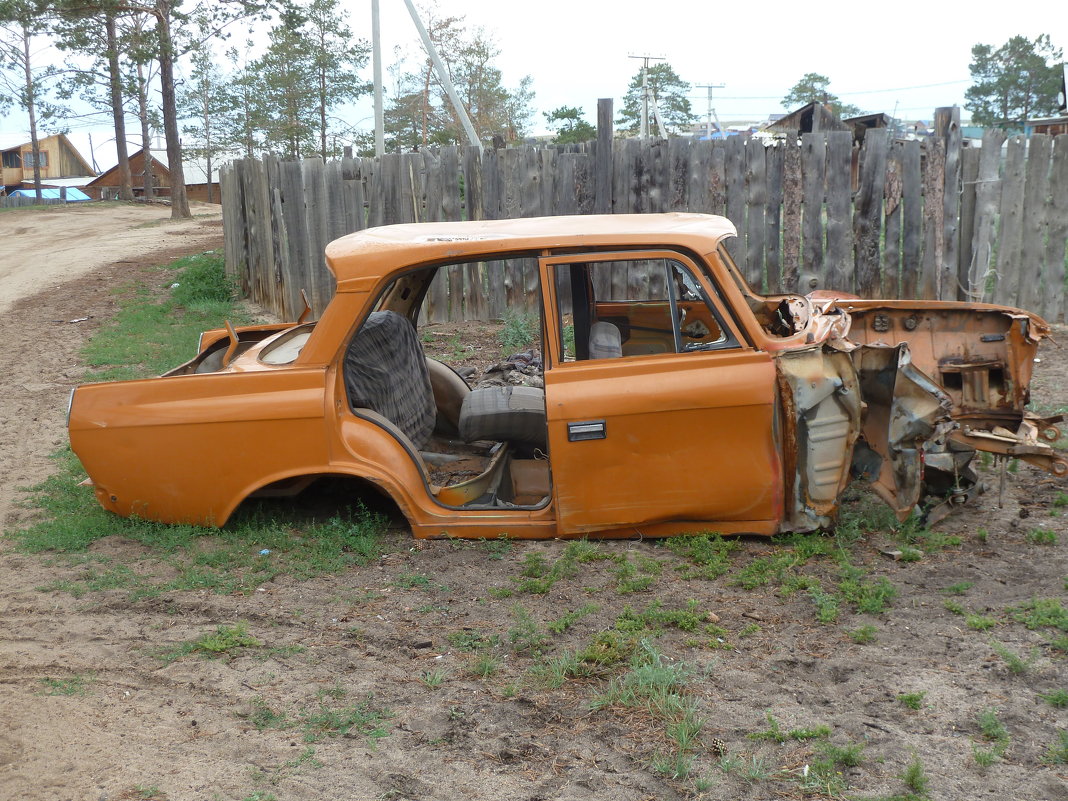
x: 157, y: 330
x: 1013, y: 661
x: 863, y: 635
x: 776, y: 733
x: 1040, y: 613
x: 362, y: 718
x: 1057, y: 751
x: 912, y: 700
x: 224, y: 642
x: 77, y: 684
x: 1058, y: 699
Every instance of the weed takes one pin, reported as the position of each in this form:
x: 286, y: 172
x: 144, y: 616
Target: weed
x: 1061, y: 500
x: 863, y: 634
x: 362, y: 717
x: 729, y: 762
x: 411, y: 580
x: 434, y: 678
x: 686, y: 732
x: 567, y: 620
x: 776, y: 733
x: 1057, y: 751
x: 521, y: 329
x: 526, y: 635
x: 826, y: 604
x: 1042, y: 536
x: 869, y: 597
x: 636, y: 576
x: 484, y: 665
x: 498, y: 548
x: 654, y: 618
x: 1040, y: 613
x: 651, y: 683
x: 1057, y: 699
x: 959, y: 588
x: 710, y: 553
x: 982, y: 535
x: 1013, y: 661
x: 915, y: 777
x: 672, y: 765
x: 992, y: 728
x: 912, y: 700
x: 849, y: 756
x: 980, y: 622
x: 955, y: 607
x: 750, y: 630
x: 554, y: 671
x: 758, y: 769
x: 609, y: 648
x: 467, y: 640
x: 77, y: 684
x: 263, y: 717
x: 984, y: 757
x: 224, y: 641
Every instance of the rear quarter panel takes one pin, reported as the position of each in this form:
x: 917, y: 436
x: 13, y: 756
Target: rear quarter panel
x: 188, y: 449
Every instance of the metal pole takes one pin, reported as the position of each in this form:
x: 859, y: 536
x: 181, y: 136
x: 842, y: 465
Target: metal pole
x: 376, y: 45
x: 432, y: 51
x: 644, y: 130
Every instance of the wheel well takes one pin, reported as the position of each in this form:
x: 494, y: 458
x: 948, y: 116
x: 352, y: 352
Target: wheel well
x: 322, y: 496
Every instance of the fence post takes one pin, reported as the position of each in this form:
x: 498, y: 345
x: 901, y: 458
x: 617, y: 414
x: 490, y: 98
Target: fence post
x: 947, y: 127
x: 603, y: 180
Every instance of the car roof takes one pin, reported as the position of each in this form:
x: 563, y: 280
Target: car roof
x: 375, y: 252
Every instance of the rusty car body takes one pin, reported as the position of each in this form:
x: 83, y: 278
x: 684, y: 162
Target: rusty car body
x: 675, y: 398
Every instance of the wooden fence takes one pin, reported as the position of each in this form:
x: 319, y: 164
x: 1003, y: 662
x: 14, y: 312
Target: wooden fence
x: 898, y: 219
x: 19, y: 201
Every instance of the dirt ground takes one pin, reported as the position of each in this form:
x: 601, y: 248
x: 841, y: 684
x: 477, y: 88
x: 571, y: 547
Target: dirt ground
x: 392, y: 636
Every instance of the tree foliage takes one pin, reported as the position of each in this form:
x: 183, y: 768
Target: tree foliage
x: 668, y: 91
x: 569, y: 125
x: 1014, y: 83
x: 420, y: 112
x: 813, y: 88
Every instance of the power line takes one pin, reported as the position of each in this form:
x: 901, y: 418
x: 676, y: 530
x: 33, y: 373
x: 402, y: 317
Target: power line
x: 859, y: 92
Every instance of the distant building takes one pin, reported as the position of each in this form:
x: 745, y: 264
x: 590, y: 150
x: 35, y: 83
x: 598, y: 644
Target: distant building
x: 811, y: 118
x: 59, y: 160
x: 106, y: 186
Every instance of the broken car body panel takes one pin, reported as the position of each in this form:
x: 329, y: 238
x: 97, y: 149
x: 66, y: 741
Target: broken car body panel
x: 676, y: 403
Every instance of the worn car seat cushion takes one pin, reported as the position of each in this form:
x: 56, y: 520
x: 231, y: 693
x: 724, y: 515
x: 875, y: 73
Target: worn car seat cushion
x: 504, y: 414
x: 385, y: 370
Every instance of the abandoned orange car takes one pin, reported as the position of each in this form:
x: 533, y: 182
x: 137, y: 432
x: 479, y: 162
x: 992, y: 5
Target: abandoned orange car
x: 673, y: 397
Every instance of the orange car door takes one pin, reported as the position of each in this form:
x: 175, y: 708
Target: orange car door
x: 686, y: 434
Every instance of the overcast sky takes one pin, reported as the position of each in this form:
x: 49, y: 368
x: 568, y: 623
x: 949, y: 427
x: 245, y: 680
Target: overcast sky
x: 901, y: 60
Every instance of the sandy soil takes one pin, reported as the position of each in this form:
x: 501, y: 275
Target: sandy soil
x: 142, y: 728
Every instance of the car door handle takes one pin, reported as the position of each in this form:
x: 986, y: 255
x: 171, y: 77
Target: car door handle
x: 589, y: 429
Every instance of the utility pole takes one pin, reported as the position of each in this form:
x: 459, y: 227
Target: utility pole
x: 643, y: 130
x: 711, y: 111
x: 376, y: 50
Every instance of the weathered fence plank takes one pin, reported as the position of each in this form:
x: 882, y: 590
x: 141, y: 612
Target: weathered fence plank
x: 1054, y: 308
x: 892, y: 194
x: 934, y: 243
x: 813, y: 174
x: 912, y: 219
x: 735, y: 167
x: 840, y: 260
x: 791, y: 216
x: 772, y: 225
x: 1035, y: 222
x: 969, y: 177
x: 947, y: 126
x: 987, y: 193
x: 1010, y: 234
x: 756, y: 179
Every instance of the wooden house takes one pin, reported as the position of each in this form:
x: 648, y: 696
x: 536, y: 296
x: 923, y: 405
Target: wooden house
x: 106, y: 186
x: 810, y: 118
x: 59, y: 159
